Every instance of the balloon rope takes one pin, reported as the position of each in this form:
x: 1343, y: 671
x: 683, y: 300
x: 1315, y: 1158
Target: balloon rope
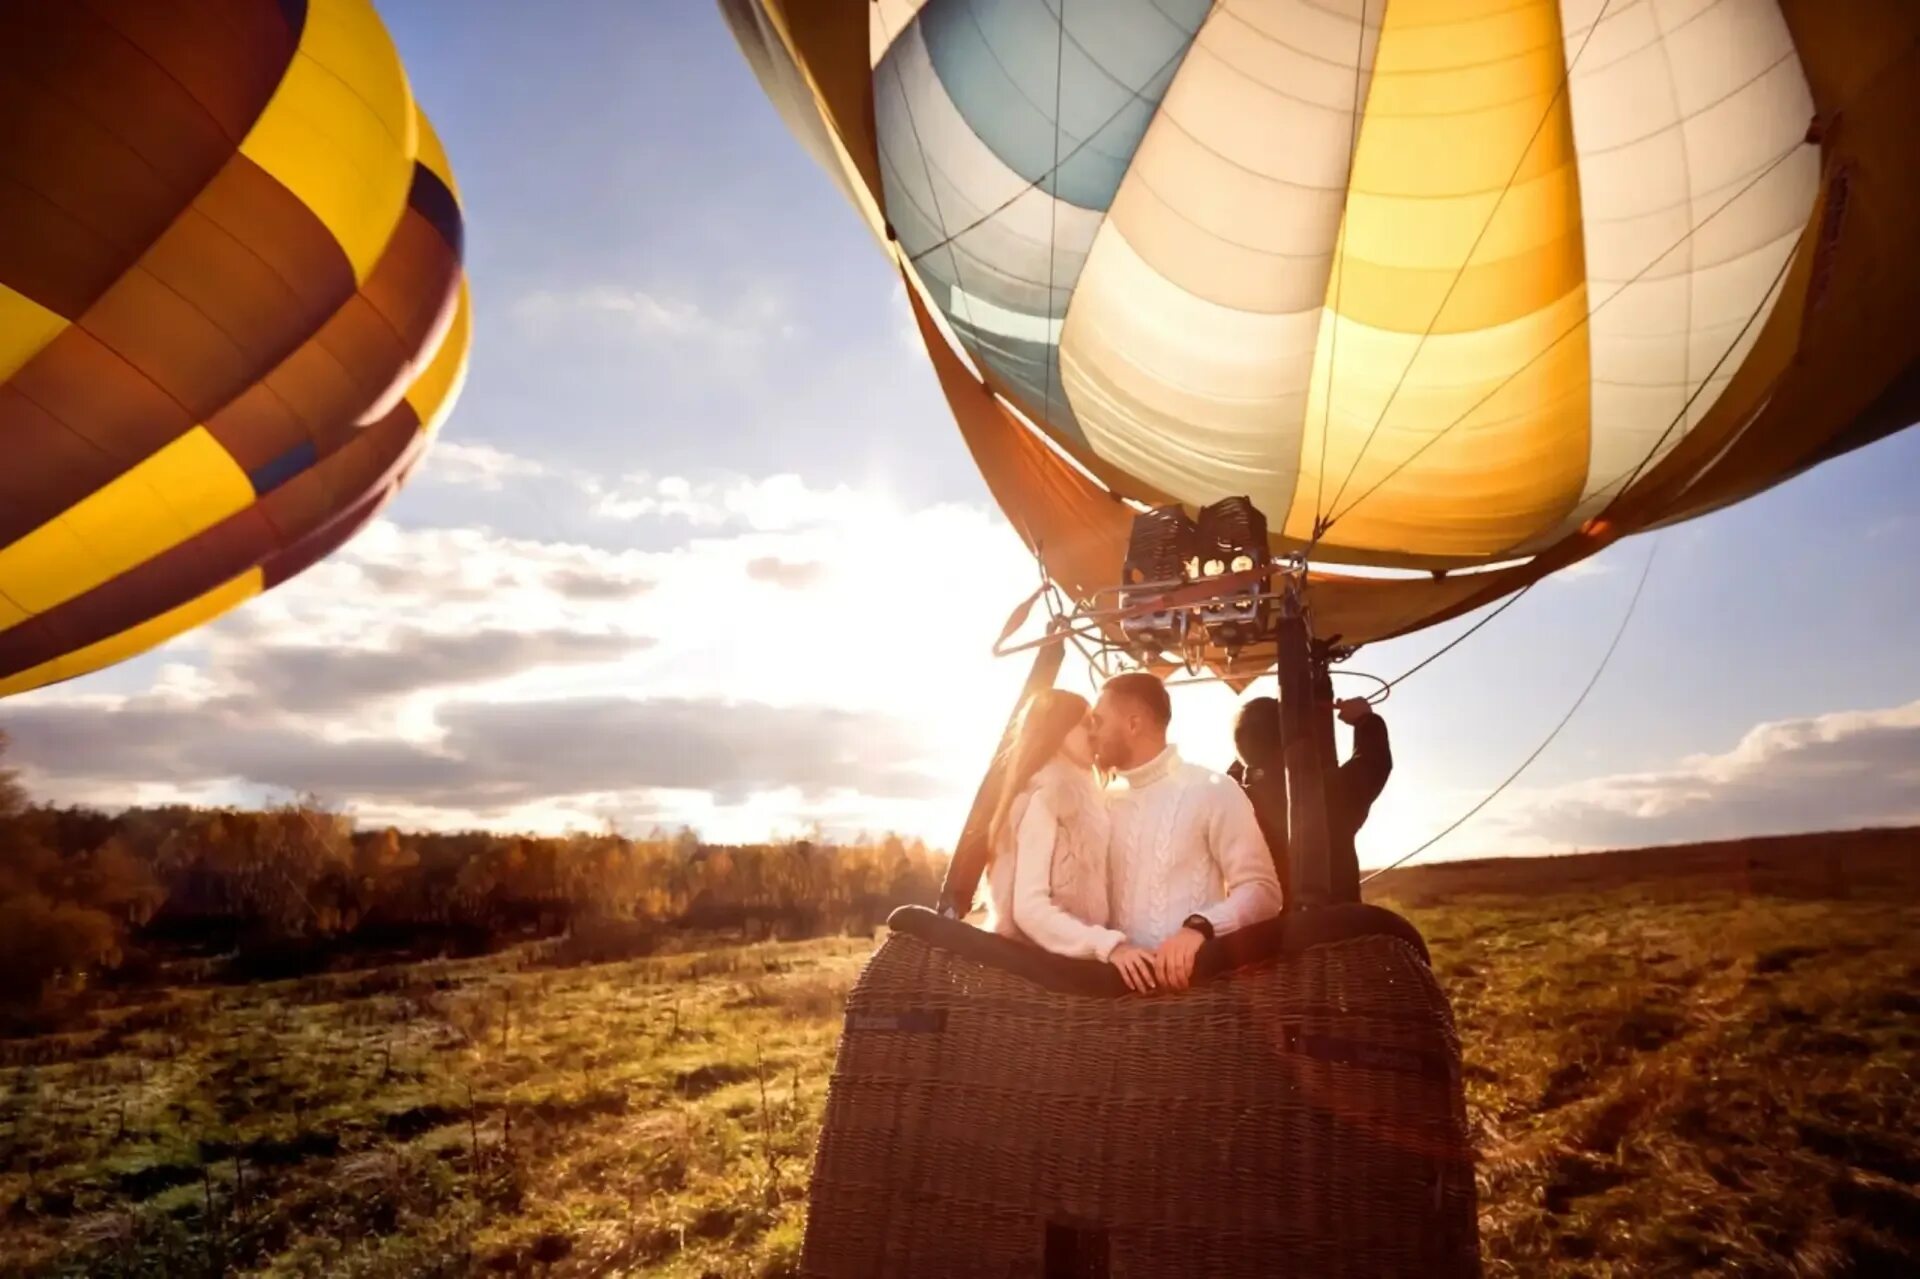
x: 933, y: 193
x: 1605, y: 658
x: 1459, y: 639
x: 1053, y: 223
x: 1340, y: 265
x: 1559, y: 91
x: 1010, y: 201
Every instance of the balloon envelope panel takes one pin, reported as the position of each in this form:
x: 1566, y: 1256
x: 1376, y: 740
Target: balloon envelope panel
x: 232, y: 309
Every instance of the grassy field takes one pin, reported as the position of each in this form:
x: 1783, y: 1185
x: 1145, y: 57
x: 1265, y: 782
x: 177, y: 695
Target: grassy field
x: 1674, y: 1067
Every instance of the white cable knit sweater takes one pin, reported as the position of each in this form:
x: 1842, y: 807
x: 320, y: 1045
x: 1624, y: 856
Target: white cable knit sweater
x: 1184, y: 841
x: 1048, y: 878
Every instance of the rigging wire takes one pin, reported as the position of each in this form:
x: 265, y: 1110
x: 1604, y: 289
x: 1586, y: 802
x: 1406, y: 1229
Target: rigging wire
x: 1456, y: 641
x: 1053, y: 224
x: 933, y: 194
x: 1340, y: 264
x: 1633, y: 605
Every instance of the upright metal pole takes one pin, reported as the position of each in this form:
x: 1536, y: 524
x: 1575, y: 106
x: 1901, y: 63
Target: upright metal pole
x: 971, y: 853
x: 1308, y: 845
x: 1343, y: 866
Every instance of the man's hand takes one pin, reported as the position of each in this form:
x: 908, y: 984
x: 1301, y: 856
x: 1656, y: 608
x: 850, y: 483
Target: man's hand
x: 1353, y: 709
x: 1173, y: 961
x: 1135, y: 964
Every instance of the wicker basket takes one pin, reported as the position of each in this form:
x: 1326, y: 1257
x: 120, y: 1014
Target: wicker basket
x: 1298, y: 1115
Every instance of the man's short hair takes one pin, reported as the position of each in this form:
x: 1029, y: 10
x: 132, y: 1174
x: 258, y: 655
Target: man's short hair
x: 1256, y: 731
x: 1147, y: 692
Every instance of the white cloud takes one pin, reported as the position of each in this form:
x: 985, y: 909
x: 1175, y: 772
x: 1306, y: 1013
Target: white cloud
x: 793, y: 576
x: 752, y: 320
x: 1835, y: 771
x: 480, y: 466
x: 779, y: 503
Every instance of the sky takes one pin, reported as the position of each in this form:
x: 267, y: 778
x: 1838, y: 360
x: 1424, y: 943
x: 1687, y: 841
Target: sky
x: 700, y: 545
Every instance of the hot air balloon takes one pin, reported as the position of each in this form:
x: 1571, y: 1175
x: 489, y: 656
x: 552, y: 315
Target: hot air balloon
x: 232, y: 310
x: 1279, y: 327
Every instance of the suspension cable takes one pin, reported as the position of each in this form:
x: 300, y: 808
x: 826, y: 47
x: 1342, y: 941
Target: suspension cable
x: 1605, y: 658
x: 1053, y: 224
x: 933, y: 194
x: 1456, y: 641
x: 1340, y: 263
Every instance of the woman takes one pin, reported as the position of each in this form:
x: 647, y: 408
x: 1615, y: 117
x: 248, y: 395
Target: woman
x: 1047, y: 877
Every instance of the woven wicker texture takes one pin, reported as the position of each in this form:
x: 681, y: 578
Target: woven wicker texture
x: 1300, y: 1117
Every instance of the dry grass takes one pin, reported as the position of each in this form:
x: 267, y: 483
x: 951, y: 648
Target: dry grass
x: 1714, y: 1080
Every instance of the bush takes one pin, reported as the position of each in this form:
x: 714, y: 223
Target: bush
x: 48, y: 947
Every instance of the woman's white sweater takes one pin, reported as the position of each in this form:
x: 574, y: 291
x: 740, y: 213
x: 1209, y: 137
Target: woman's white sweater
x: 1047, y: 882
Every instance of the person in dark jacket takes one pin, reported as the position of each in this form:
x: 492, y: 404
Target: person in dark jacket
x: 1350, y: 792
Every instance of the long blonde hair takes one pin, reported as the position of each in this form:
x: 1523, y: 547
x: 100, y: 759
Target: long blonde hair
x: 1045, y: 721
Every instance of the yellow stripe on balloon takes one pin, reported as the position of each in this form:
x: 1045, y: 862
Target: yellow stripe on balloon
x: 340, y: 132
x: 433, y: 393
x: 138, y: 639
x: 187, y: 486
x: 1450, y: 407
x: 25, y: 329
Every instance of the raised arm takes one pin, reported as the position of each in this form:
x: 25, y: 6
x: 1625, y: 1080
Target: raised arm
x: 1034, y: 911
x: 1364, y: 775
x: 1239, y: 850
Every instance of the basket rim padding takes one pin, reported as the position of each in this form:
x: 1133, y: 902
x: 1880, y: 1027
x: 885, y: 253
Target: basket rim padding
x: 1288, y: 934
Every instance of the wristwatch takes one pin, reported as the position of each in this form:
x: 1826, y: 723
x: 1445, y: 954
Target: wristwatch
x: 1200, y: 924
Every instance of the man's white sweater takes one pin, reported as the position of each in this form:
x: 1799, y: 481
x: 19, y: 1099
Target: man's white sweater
x: 1185, y: 842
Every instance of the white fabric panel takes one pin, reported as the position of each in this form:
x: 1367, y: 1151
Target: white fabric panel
x: 1188, y: 350
x: 1003, y: 264
x: 1678, y: 105
x: 1180, y: 391
x: 886, y: 19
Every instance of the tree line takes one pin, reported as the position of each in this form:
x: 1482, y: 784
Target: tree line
x: 87, y: 895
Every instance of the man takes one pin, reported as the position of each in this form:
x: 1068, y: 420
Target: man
x: 1350, y: 792
x: 1186, y: 861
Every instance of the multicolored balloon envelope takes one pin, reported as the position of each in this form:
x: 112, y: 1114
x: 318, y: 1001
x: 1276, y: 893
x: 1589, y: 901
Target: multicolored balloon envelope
x: 232, y: 309
x: 1457, y: 290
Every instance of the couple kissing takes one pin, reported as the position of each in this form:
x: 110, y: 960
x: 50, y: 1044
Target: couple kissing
x: 1138, y: 872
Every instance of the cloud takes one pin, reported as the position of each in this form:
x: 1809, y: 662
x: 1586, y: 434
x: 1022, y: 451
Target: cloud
x: 489, y: 757
x: 777, y: 503
x: 588, y: 584
x: 307, y: 677
x: 479, y: 466
x: 772, y: 503
x: 607, y: 310
x: 777, y: 572
x: 1835, y: 771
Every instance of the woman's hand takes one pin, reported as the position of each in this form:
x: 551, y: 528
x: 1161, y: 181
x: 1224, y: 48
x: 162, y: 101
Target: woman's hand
x: 1135, y: 964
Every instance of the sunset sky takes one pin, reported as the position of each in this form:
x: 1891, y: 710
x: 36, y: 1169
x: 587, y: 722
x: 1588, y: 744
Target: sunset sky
x: 700, y: 544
